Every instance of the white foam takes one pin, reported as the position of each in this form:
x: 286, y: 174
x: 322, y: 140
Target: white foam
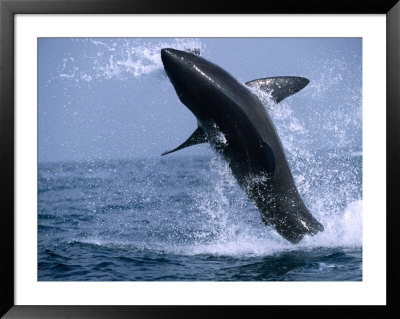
x: 352, y: 224
x: 119, y: 58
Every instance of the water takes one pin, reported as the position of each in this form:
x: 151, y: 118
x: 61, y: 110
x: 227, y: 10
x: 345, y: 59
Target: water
x: 183, y: 217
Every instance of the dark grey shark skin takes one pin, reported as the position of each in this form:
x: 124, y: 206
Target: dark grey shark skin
x: 235, y: 123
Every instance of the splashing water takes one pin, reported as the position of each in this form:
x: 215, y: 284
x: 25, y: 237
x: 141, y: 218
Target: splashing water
x: 119, y: 58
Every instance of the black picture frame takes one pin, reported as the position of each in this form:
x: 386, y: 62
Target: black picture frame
x: 9, y: 8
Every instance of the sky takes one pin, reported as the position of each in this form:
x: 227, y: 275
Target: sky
x: 109, y: 98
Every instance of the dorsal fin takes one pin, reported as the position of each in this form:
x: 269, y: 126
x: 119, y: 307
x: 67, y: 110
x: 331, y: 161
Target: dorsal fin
x: 197, y: 137
x: 280, y: 87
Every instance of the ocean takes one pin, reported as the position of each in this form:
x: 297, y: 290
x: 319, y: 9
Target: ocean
x: 184, y: 218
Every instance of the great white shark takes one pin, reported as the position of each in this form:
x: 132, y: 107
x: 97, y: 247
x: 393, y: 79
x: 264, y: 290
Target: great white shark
x: 233, y: 120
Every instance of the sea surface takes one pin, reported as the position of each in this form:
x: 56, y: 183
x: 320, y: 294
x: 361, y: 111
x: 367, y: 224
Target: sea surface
x: 184, y: 218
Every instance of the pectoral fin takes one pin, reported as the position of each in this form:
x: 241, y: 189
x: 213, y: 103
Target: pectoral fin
x: 280, y: 87
x: 197, y: 137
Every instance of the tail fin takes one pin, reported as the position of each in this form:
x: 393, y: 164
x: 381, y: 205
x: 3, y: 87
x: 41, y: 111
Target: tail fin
x: 292, y: 225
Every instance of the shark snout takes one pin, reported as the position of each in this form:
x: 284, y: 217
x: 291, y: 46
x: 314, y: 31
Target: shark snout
x: 168, y: 51
x: 179, y: 67
x: 176, y: 60
x: 166, y: 54
x: 172, y: 62
x: 171, y: 56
